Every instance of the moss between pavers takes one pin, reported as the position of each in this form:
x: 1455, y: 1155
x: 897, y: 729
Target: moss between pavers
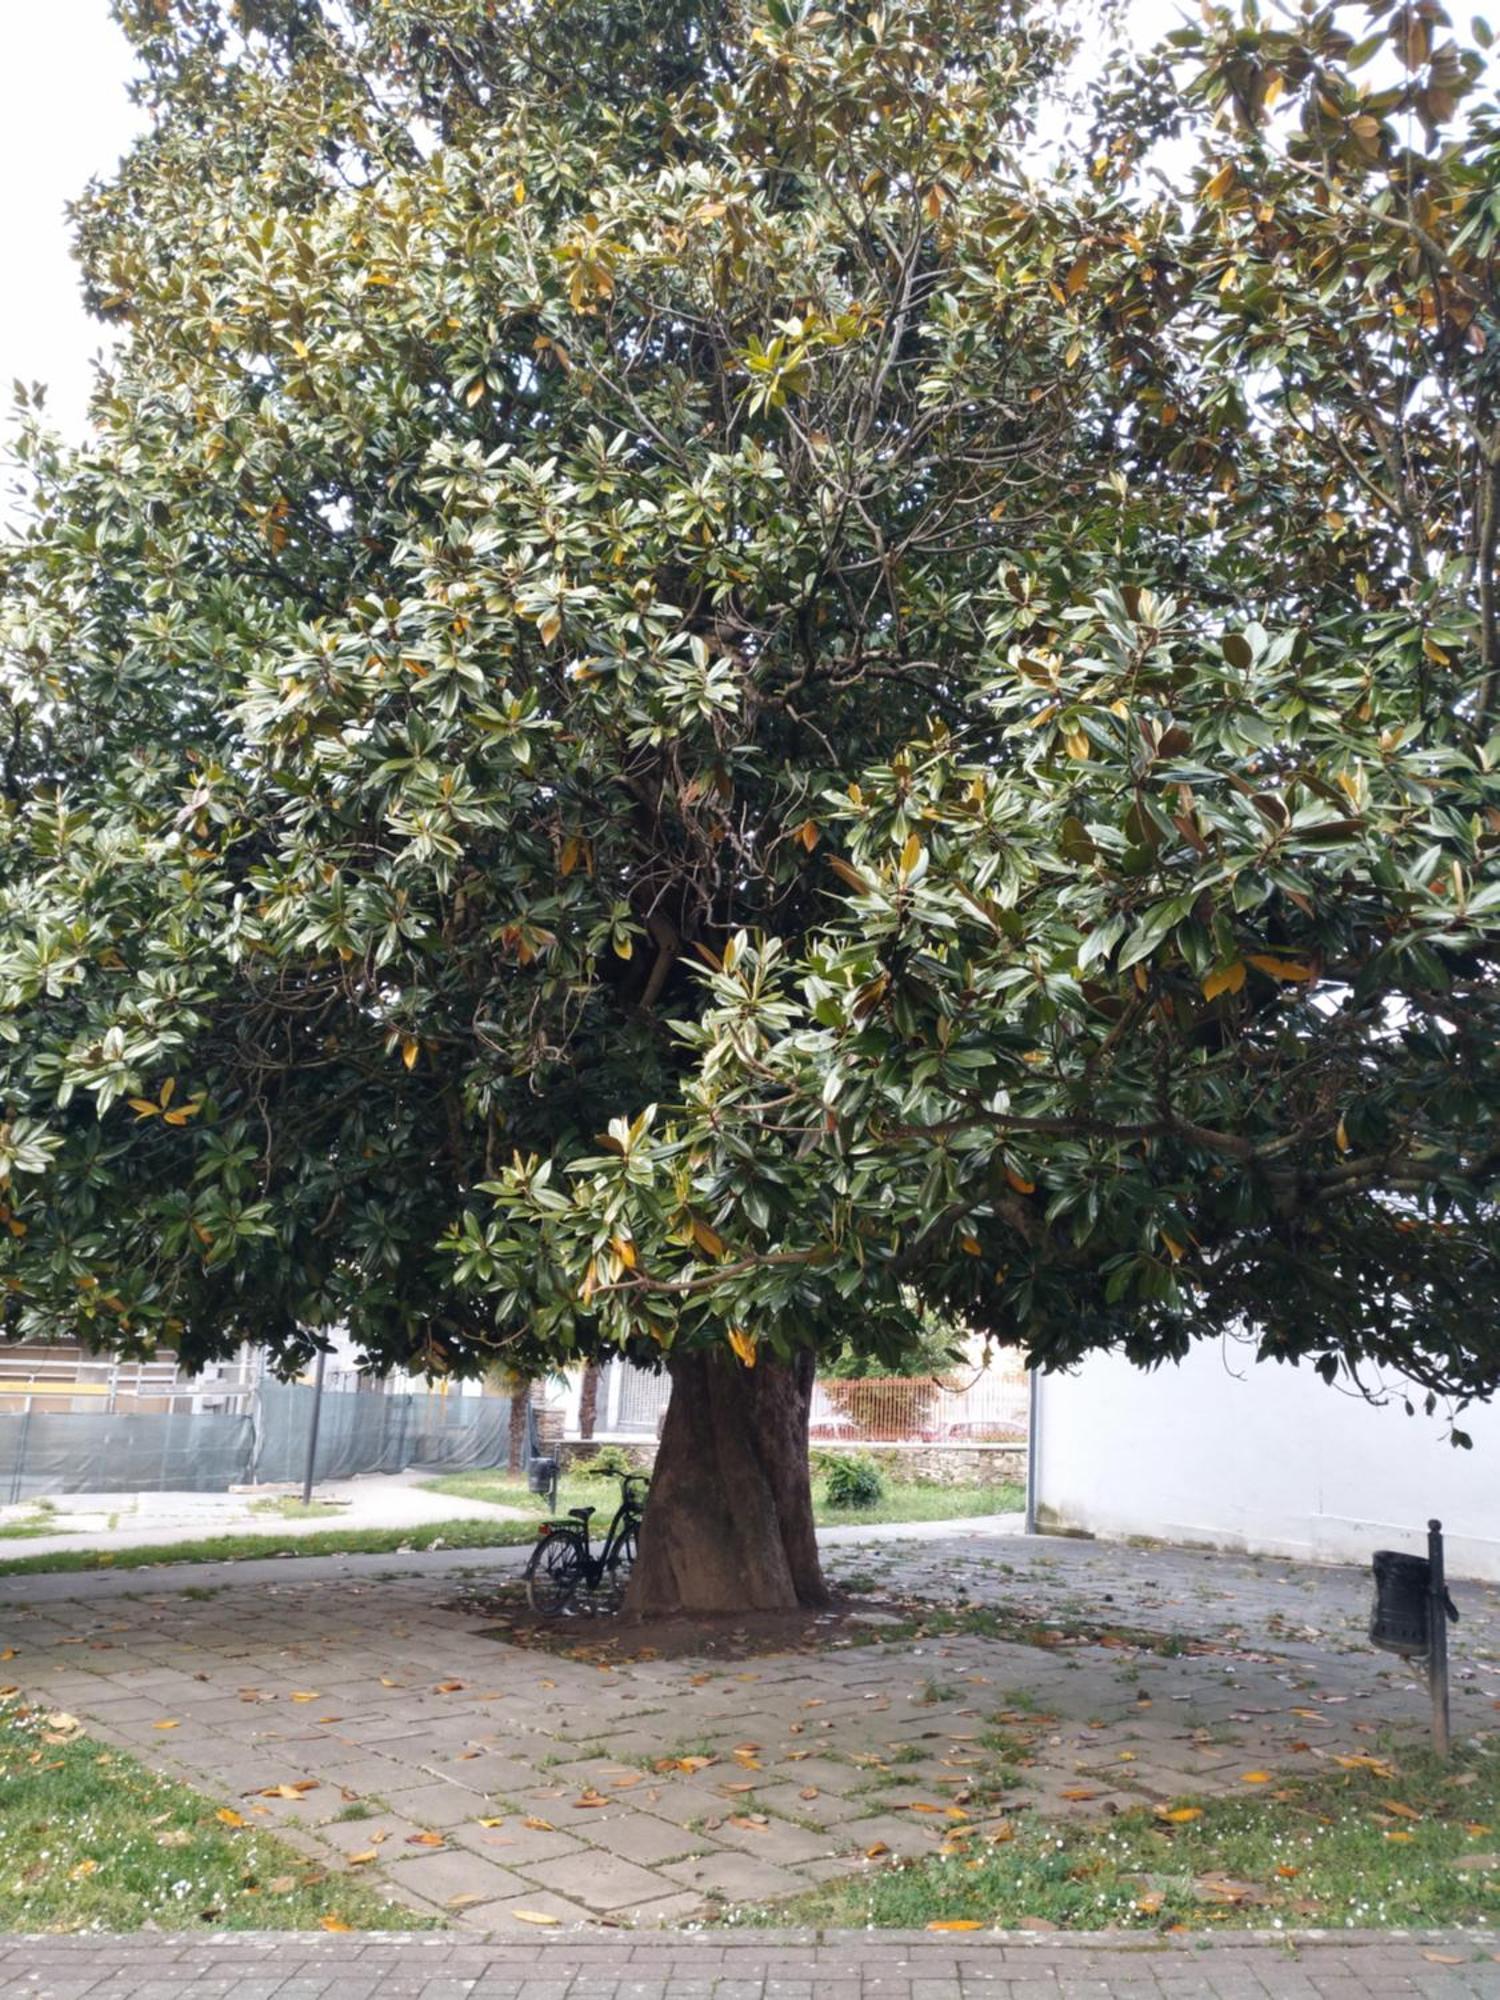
x: 92, y: 1840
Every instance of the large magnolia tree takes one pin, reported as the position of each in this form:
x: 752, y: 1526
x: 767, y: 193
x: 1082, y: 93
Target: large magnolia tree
x: 705, y: 686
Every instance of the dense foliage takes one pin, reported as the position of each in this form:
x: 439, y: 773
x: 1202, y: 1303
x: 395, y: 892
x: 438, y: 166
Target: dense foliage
x: 641, y: 556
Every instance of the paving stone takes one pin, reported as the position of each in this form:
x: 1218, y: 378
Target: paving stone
x: 603, y: 1882
x: 439, y: 1876
x: 733, y: 1878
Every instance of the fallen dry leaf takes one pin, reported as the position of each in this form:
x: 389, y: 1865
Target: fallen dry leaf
x: 363, y: 1860
x: 425, y: 1839
x: 82, y: 1872
x: 874, y: 1852
x: 956, y: 1924
x: 537, y: 1825
x: 1179, y: 1815
x: 534, y: 1917
x: 282, y: 1885
x: 334, y: 1924
x: 1255, y: 1777
x: 498, y: 1820
x: 229, y: 1817
x: 462, y: 1900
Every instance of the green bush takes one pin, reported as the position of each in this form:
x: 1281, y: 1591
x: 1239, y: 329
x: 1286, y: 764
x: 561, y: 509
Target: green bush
x: 854, y: 1482
x: 610, y: 1461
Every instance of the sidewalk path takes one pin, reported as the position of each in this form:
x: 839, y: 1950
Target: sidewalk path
x: 648, y: 1790
x: 103, y: 1523
x: 847, y: 1965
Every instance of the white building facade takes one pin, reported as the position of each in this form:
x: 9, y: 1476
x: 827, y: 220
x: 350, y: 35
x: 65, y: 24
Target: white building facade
x: 1225, y: 1452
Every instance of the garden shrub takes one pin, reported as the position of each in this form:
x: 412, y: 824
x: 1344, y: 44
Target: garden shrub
x: 854, y: 1482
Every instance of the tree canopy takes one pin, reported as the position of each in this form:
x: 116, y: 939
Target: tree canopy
x: 710, y: 676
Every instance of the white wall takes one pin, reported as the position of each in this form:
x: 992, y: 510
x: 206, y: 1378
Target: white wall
x: 1232, y: 1453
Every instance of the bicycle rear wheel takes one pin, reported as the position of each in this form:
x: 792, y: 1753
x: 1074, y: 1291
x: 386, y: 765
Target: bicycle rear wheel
x: 553, y: 1575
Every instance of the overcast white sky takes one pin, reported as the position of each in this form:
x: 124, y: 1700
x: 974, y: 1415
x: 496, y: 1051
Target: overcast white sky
x: 66, y: 117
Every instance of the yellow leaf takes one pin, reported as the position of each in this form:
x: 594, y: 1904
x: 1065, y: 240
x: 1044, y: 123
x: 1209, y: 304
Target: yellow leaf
x: 166, y: 1091
x: 1280, y: 968
x: 1175, y: 1250
x: 166, y: 1725
x: 410, y: 1050
x: 534, y: 1917
x: 1434, y: 651
x: 1401, y: 1811
x: 743, y: 1344
x: 549, y: 626
x: 518, y: 193
x: 1228, y: 979
x: 1341, y: 1137
x: 850, y: 876
x: 571, y: 854
x: 1179, y: 1815
x: 807, y: 833
x: 874, y: 1852
x: 306, y: 1694
x: 1076, y: 1793
x: 707, y: 1239
x: 956, y: 1924
x: 624, y: 1249
x: 143, y: 1107
x: 229, y: 1817
x: 972, y: 1244
x: 474, y: 393
x: 1019, y: 1183
x: 1255, y: 1777
x: 334, y: 1924
x: 536, y: 1825
x: 1220, y: 184
x: 426, y: 1838
x: 1395, y: 1834
x: 911, y: 853
x: 493, y: 1821
x: 1076, y: 744
x: 83, y: 1871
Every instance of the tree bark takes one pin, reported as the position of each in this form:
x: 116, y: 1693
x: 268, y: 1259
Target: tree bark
x: 729, y: 1521
x: 588, y: 1401
x: 520, y: 1405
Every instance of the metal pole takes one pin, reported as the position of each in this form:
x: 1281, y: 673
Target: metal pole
x: 312, y: 1434
x: 1437, y: 1647
x: 1033, y: 1407
x: 15, y: 1484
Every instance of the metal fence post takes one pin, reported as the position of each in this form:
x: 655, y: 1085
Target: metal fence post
x: 312, y: 1434
x: 1437, y: 1641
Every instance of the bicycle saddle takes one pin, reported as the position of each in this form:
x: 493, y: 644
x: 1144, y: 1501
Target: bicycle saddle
x: 580, y: 1513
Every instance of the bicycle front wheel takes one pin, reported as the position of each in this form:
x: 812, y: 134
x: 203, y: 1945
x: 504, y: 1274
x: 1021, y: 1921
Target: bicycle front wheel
x: 553, y: 1575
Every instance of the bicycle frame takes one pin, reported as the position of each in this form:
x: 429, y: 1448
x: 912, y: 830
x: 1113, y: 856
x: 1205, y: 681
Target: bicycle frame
x: 628, y: 1515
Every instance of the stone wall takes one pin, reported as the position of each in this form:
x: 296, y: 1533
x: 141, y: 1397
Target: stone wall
x: 938, y: 1464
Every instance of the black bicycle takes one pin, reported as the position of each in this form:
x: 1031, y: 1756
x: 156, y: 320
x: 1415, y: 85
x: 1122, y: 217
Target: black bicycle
x: 564, y: 1570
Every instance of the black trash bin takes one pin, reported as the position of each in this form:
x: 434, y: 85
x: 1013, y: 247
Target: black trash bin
x: 1401, y: 1620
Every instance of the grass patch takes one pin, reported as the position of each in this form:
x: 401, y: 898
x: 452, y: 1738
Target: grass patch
x: 247, y: 1547
x: 290, y: 1508
x: 1410, y: 1843
x: 95, y: 1841
x: 908, y: 1500
x: 25, y: 1531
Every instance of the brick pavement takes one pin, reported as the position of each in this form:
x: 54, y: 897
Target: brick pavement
x: 847, y: 1965
x: 486, y: 1779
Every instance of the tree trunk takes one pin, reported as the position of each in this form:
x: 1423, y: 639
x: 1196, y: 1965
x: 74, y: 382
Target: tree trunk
x: 588, y: 1401
x: 729, y: 1521
x: 520, y: 1405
